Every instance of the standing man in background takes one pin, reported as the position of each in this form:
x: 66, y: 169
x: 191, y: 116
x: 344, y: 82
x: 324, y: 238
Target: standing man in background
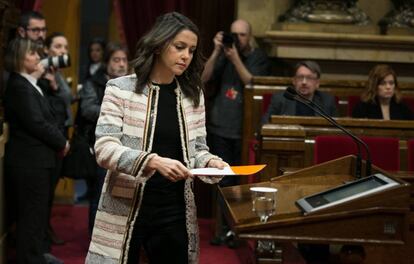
x: 32, y: 25
x: 231, y: 66
x: 115, y: 64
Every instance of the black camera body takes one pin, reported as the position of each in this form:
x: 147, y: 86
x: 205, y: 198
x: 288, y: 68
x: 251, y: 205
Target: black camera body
x: 229, y: 39
x: 61, y: 61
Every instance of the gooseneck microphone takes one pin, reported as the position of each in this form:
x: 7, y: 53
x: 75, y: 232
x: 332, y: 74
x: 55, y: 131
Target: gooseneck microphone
x: 292, y: 94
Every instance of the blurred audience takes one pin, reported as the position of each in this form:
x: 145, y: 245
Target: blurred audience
x: 96, y: 50
x: 91, y: 96
x: 382, y: 98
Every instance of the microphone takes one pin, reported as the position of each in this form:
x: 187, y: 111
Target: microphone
x: 291, y: 94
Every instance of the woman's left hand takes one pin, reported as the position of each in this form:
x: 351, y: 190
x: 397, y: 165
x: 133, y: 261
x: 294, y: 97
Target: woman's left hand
x: 215, y: 163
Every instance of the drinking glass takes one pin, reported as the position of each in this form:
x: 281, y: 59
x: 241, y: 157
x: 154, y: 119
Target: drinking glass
x: 263, y: 202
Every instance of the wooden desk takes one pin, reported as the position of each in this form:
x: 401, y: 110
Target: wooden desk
x: 253, y: 100
x: 360, y: 222
x: 288, y: 141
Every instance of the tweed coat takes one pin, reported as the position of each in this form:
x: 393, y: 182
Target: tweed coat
x: 124, y: 136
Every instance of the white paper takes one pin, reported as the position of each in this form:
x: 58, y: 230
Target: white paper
x: 212, y: 171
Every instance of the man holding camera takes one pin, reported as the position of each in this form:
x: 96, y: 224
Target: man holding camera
x: 231, y: 65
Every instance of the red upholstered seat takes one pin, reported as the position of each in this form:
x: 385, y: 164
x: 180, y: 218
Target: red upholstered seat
x: 410, y: 102
x: 332, y: 147
x: 267, y: 98
x: 410, y: 149
x: 385, y: 152
x: 352, y: 101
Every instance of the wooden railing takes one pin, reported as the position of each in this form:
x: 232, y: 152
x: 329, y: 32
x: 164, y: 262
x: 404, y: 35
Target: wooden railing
x: 253, y: 100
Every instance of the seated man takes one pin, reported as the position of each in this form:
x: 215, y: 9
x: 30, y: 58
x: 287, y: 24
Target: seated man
x: 306, y: 83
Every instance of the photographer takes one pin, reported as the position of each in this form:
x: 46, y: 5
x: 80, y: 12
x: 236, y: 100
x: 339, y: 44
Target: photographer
x: 59, y: 95
x: 56, y: 47
x: 232, y: 65
x: 31, y: 153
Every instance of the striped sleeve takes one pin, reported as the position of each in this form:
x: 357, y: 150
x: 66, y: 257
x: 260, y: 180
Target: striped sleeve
x: 111, y: 154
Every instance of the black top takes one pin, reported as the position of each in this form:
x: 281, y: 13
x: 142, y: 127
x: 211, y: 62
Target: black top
x: 34, y: 135
x: 303, y: 110
x: 398, y: 111
x: 167, y: 143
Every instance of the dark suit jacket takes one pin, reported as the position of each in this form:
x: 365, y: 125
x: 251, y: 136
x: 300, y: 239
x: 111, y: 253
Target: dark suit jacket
x: 398, y: 111
x: 279, y: 105
x: 34, y: 138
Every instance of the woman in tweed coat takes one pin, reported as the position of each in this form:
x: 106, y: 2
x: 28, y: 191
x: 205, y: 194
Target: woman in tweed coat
x: 150, y: 132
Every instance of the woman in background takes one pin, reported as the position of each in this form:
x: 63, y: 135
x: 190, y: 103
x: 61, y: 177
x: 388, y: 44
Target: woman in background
x: 150, y: 133
x: 382, y: 97
x: 96, y: 50
x: 32, y: 149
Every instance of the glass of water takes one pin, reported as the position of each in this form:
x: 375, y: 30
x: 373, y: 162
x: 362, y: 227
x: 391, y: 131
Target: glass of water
x: 263, y: 202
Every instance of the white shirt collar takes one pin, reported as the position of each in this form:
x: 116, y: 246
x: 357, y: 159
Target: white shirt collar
x: 33, y: 81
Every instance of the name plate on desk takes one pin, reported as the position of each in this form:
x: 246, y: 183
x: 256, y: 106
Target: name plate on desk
x: 346, y: 192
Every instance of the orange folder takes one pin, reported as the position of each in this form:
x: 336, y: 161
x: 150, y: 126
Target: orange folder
x: 248, y: 169
x: 233, y: 170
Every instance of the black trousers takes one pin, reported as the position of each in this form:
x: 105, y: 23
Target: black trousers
x: 95, y: 184
x: 52, y: 187
x: 30, y: 196
x: 230, y: 151
x: 161, y: 232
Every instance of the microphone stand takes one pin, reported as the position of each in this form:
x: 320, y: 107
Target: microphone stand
x: 291, y: 94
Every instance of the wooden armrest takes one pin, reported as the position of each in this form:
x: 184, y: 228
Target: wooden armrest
x: 285, y: 170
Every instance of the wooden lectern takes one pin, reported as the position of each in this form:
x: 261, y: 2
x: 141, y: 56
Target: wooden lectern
x: 379, y: 222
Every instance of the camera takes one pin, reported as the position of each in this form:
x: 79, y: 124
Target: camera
x: 229, y: 39
x: 61, y: 61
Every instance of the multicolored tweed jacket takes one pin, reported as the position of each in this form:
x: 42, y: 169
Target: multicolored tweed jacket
x: 124, y: 136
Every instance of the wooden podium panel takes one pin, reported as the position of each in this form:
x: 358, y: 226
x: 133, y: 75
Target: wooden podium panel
x: 378, y: 221
x: 288, y: 140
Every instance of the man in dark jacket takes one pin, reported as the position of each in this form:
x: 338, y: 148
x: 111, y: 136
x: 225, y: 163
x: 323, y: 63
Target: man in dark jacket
x: 91, y: 96
x: 306, y: 82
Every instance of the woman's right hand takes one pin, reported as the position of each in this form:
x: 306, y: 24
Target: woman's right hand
x: 169, y: 168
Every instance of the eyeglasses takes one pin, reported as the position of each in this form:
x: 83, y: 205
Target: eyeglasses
x: 37, y: 30
x: 302, y: 78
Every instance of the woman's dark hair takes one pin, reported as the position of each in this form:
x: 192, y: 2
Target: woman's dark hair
x: 49, y: 39
x: 162, y: 33
x: 16, y: 52
x: 101, y: 42
x: 376, y: 76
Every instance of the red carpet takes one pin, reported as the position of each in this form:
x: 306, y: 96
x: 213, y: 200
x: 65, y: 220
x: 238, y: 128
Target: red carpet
x: 70, y: 224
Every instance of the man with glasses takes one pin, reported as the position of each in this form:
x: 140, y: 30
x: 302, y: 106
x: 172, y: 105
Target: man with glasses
x: 306, y: 83
x: 32, y: 25
x: 230, y: 67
